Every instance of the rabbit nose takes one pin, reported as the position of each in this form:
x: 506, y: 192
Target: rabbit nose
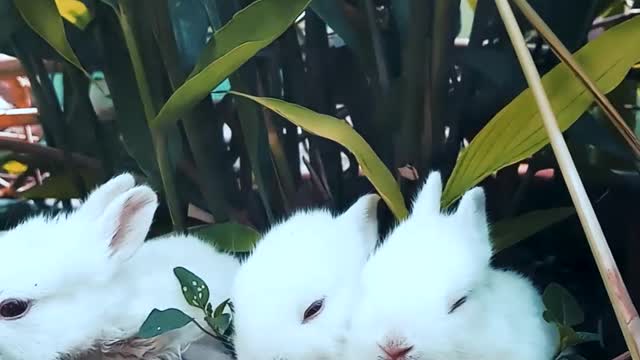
x: 395, y: 352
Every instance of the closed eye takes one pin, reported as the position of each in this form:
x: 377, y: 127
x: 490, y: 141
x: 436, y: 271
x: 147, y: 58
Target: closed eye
x: 457, y: 304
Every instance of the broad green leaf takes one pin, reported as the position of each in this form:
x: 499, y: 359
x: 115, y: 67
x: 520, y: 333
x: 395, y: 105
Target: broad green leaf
x: 508, y: 232
x: 42, y: 16
x: 561, y: 306
x: 230, y: 237
x: 250, y: 30
x: 75, y: 12
x: 516, y: 132
x: 61, y: 186
x: 340, y: 132
x: 159, y: 322
x: 194, y: 289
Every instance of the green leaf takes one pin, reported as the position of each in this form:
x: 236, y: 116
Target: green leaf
x: 75, y: 12
x: 159, y: 322
x: 517, y: 132
x: 61, y: 187
x: 250, y: 30
x: 42, y: 16
x: 569, y: 337
x: 350, y: 25
x: 339, y: 131
x: 194, y: 289
x: 127, y: 100
x: 583, y: 337
x: 220, y: 324
x: 562, y: 306
x: 220, y: 308
x: 508, y: 232
x: 9, y: 20
x: 230, y: 237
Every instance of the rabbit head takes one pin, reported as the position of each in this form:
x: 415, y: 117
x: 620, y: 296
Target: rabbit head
x: 54, y: 271
x: 418, y: 288
x: 429, y: 292
x: 293, y: 296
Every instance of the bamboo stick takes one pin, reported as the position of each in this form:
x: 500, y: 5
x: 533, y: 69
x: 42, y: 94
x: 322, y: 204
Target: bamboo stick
x: 626, y: 313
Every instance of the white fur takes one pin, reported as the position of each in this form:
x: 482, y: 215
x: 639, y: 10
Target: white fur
x: 93, y: 280
x: 429, y: 262
x: 310, y: 256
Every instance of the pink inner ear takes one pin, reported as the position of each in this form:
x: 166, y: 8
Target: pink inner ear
x: 131, y: 208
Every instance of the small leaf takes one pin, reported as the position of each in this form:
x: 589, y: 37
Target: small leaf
x: 569, y: 337
x: 195, y: 291
x: 220, y: 308
x: 42, y: 16
x: 516, y: 132
x: 219, y: 324
x: 159, y: 322
x: 75, y: 12
x: 339, y: 131
x: 583, y: 337
x: 507, y: 233
x: 209, y: 310
x: 14, y: 167
x: 250, y: 30
x: 562, y: 305
x: 230, y: 237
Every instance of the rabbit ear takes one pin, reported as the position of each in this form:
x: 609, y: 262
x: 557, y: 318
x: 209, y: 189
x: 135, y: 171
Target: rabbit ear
x: 364, y: 214
x: 126, y: 221
x: 98, y: 200
x: 472, y: 208
x: 427, y: 202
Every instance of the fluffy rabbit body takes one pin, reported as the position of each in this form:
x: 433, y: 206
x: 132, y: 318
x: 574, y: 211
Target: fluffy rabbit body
x: 294, y: 295
x: 80, y: 285
x: 430, y: 293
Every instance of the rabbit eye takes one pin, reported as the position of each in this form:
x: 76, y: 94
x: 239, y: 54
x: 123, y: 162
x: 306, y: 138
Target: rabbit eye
x: 457, y: 304
x: 13, y: 309
x: 313, y: 310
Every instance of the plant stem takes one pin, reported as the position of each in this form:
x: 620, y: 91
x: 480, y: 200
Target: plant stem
x: 159, y: 140
x: 565, y: 56
x: 203, y: 329
x: 625, y: 311
x: 378, y: 47
x: 206, y: 155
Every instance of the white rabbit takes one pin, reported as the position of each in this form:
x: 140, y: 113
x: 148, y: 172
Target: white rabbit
x: 430, y: 293
x: 292, y: 297
x: 82, y: 284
